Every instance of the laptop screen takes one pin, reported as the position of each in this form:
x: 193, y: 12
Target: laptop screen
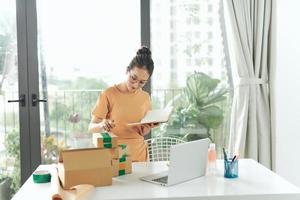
x: 187, y: 161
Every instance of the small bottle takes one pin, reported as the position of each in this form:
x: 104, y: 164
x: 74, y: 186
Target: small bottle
x: 212, y: 159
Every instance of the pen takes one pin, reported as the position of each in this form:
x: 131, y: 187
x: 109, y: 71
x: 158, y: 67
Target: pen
x: 234, y: 157
x: 232, y: 164
x: 225, y: 155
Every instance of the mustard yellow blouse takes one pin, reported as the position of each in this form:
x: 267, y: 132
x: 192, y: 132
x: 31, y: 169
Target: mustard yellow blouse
x: 124, y: 108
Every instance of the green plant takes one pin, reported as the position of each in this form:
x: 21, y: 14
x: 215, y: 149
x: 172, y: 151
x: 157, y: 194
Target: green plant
x: 12, y: 147
x: 5, y: 190
x: 198, y: 104
x: 50, y: 149
x: 3, y: 177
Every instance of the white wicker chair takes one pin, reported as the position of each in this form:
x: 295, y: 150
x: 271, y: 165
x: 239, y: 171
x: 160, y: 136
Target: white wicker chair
x: 159, y: 148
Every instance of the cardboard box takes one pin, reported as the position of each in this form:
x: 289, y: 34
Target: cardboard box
x: 123, y: 150
x: 121, y: 166
x: 105, y: 140
x: 85, y: 166
x: 114, y: 152
x: 119, y: 152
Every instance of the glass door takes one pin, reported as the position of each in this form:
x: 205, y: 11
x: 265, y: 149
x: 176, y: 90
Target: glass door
x: 19, y: 127
x: 9, y: 102
x: 83, y: 47
x: 60, y: 55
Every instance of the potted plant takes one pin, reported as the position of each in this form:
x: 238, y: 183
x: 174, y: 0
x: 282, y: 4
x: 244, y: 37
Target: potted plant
x: 197, y: 110
x: 5, y: 190
x: 50, y: 149
x: 12, y: 148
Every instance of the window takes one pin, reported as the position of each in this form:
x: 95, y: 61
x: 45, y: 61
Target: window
x: 173, y: 37
x: 193, y: 53
x: 10, y: 176
x: 172, y: 10
x: 83, y: 48
x: 209, y: 7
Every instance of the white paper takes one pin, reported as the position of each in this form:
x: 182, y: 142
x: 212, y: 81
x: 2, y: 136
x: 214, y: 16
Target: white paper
x: 155, y: 116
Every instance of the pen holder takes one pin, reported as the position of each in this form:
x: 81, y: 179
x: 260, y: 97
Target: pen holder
x: 231, y: 168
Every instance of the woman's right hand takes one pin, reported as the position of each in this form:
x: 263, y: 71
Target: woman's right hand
x: 107, y: 124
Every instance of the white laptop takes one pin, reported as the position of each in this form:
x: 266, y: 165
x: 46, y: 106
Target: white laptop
x: 187, y: 161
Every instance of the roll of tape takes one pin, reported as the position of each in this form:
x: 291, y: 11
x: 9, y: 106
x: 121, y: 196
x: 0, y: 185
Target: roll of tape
x: 41, y: 176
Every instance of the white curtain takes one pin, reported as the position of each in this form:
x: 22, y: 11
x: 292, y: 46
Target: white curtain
x: 249, y: 43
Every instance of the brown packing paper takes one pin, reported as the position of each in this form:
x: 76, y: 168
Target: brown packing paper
x: 85, y: 166
x: 79, y: 192
x: 56, y: 190
x: 98, y: 140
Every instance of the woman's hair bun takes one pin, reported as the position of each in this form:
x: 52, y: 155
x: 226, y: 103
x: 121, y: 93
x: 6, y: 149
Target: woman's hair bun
x: 144, y: 52
x: 143, y: 59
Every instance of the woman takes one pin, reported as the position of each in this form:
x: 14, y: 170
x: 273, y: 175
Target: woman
x: 126, y: 103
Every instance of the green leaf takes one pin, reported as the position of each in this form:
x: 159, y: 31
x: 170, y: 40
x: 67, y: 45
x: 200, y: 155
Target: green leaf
x: 216, y: 96
x: 199, y: 103
x: 211, y: 117
x: 200, y: 87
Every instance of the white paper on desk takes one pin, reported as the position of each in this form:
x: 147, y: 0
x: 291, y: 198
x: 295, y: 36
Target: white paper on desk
x: 155, y: 116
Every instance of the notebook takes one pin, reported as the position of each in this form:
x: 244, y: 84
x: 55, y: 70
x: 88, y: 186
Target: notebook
x: 155, y: 116
x: 187, y: 161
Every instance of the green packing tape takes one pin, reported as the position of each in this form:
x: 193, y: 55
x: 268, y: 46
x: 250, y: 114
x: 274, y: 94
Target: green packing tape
x: 124, y: 155
x: 106, y: 137
x: 121, y: 172
x: 41, y: 176
x: 107, y: 145
x: 123, y: 159
x: 123, y: 146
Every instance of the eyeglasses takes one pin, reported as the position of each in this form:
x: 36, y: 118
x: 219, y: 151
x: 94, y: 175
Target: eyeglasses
x: 133, y: 79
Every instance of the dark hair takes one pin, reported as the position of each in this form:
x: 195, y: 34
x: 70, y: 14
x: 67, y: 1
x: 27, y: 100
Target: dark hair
x: 142, y: 59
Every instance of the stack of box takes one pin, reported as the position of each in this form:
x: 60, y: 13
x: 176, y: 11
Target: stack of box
x: 121, y: 161
x: 121, y: 166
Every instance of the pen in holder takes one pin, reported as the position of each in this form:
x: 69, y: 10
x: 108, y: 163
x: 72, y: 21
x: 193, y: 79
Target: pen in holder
x: 231, y: 168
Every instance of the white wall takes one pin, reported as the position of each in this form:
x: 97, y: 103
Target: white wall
x: 287, y: 90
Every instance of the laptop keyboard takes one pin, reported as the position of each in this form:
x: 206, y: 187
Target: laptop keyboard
x: 163, y: 179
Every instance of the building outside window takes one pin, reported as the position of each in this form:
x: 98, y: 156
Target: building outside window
x: 181, y: 56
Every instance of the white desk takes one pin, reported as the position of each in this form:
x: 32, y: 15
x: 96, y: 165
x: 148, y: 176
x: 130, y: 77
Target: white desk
x: 255, y: 182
